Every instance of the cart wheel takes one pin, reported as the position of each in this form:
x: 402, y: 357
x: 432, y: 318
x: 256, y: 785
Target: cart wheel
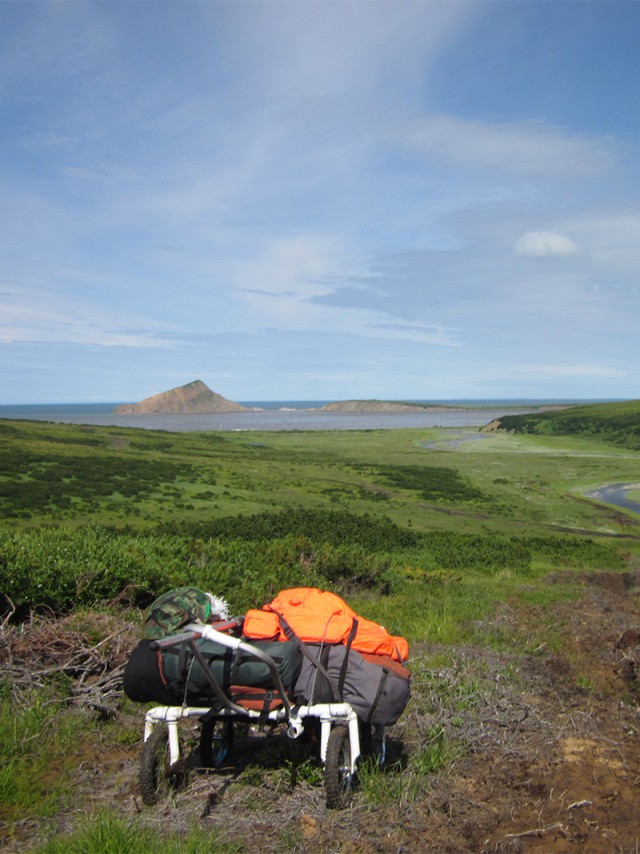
x: 373, y: 742
x: 157, y: 776
x: 216, y: 741
x: 338, y: 779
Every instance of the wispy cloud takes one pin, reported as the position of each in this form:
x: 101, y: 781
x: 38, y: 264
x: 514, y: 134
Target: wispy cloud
x: 319, y: 188
x: 40, y: 317
x: 545, y: 244
x: 526, y: 147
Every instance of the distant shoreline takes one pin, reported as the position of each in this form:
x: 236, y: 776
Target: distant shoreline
x: 283, y: 416
x: 453, y: 404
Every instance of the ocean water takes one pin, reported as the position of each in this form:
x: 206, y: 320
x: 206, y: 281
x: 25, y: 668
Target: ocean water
x: 284, y: 415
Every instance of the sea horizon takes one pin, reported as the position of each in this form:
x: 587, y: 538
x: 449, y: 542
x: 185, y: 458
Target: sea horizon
x: 289, y: 415
x: 314, y: 404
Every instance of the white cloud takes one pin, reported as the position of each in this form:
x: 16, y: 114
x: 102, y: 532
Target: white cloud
x: 285, y: 184
x: 302, y: 264
x: 316, y: 48
x: 40, y: 317
x: 545, y: 244
x: 282, y: 289
x: 290, y: 312
x: 530, y: 148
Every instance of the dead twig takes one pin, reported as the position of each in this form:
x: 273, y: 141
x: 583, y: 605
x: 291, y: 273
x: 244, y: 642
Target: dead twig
x: 10, y: 612
x: 45, y: 650
x: 538, y: 831
x: 577, y: 804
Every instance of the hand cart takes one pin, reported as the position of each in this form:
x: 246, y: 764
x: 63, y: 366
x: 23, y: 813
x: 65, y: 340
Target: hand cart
x: 162, y: 764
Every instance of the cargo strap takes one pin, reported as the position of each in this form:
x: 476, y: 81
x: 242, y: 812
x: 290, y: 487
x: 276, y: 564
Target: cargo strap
x: 381, y: 684
x: 304, y: 649
x: 345, y: 663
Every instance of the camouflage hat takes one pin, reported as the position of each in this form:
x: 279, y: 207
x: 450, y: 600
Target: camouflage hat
x: 174, y: 609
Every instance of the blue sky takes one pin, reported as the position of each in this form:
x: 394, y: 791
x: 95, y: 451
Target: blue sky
x: 319, y: 200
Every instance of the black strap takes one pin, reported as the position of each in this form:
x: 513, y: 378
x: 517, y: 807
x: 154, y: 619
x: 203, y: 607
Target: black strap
x: 266, y: 708
x: 335, y: 694
x: 183, y: 661
x: 213, y: 712
x: 323, y: 656
x: 267, y: 697
x: 322, y: 686
x: 345, y: 663
x: 234, y: 677
x: 374, y: 705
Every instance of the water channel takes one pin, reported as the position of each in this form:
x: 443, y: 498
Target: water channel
x: 616, y: 495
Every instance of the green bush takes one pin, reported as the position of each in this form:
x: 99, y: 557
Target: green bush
x: 338, y: 527
x: 64, y: 568
x: 248, y: 559
x: 433, y: 483
x: 488, y: 553
x: 618, y: 423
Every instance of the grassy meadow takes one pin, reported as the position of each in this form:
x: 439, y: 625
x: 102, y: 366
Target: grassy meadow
x: 427, y: 531
x: 94, y: 514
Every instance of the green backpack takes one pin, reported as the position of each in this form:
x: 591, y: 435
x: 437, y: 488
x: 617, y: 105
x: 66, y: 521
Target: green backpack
x: 174, y: 609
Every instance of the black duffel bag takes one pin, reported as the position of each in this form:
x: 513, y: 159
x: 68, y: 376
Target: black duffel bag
x: 173, y: 675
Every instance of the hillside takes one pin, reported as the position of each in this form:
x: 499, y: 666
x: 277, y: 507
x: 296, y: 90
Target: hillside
x: 518, y: 596
x: 193, y: 398
x: 614, y: 422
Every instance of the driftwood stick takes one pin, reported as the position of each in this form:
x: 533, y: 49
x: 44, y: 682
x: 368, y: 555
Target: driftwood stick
x: 577, y: 804
x: 536, y: 831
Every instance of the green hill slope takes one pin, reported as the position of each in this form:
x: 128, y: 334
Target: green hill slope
x: 615, y: 422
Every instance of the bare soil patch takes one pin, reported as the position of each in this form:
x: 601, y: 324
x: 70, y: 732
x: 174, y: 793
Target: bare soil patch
x: 545, y: 747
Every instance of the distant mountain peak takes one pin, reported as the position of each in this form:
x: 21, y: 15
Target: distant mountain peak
x: 193, y: 398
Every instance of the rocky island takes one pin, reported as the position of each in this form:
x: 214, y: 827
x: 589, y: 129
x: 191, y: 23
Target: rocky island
x: 193, y: 398
x: 378, y: 406
x: 197, y: 398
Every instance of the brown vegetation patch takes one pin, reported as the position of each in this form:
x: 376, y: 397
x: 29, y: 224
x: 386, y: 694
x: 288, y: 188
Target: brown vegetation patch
x: 90, y: 649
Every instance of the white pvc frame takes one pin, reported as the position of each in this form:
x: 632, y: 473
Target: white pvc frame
x: 329, y: 714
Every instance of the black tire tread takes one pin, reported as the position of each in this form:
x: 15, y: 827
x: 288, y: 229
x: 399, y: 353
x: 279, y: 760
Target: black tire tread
x: 155, y: 775
x: 337, y: 788
x: 207, y: 734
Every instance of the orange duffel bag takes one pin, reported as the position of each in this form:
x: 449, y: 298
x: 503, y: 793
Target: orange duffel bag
x: 317, y: 616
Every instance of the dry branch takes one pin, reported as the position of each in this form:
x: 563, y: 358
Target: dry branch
x: 538, y: 831
x: 37, y: 653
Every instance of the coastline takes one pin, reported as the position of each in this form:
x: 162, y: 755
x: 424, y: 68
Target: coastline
x: 282, y: 415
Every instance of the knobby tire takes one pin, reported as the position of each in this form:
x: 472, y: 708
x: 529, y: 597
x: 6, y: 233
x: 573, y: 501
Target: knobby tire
x: 338, y: 779
x: 216, y: 742
x: 157, y: 776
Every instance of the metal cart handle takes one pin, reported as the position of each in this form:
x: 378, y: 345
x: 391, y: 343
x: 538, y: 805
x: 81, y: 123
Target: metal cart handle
x: 193, y: 631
